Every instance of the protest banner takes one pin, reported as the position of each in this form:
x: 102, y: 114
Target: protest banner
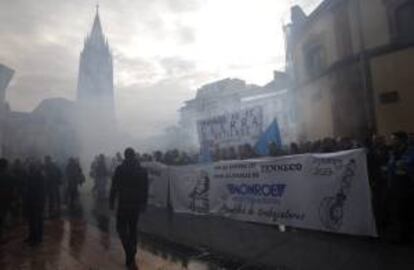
x: 327, y: 192
x: 239, y: 127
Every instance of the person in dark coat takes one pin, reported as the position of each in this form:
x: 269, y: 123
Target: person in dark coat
x: 53, y: 178
x: 6, y: 192
x: 130, y: 189
x: 35, y: 197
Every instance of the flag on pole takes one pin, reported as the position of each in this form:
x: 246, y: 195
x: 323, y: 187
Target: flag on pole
x: 272, y: 134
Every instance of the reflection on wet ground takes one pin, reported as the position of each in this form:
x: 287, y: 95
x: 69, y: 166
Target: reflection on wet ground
x: 85, y: 238
x: 221, y: 243
x: 188, y: 256
x: 177, y: 255
x: 71, y: 243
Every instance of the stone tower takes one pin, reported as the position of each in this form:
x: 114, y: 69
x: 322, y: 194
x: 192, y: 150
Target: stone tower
x: 95, y: 94
x: 95, y: 82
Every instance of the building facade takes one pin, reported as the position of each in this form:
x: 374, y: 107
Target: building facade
x: 231, y: 95
x: 351, y: 62
x: 47, y: 130
x: 50, y: 129
x: 60, y: 127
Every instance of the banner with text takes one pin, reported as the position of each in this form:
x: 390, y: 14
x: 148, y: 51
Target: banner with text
x: 240, y: 127
x: 328, y: 192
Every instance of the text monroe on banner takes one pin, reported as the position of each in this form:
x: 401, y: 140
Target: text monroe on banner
x: 327, y: 192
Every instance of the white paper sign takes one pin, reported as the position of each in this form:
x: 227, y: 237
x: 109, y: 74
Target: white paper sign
x: 244, y: 126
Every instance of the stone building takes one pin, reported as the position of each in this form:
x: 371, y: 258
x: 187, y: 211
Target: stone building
x: 60, y: 127
x: 50, y: 129
x: 47, y: 130
x: 351, y: 63
x: 95, y: 80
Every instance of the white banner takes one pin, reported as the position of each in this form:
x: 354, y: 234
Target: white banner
x: 244, y: 126
x: 328, y: 192
x: 158, y: 183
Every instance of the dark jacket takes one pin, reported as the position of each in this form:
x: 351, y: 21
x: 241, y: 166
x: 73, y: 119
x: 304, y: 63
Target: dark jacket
x: 129, y: 187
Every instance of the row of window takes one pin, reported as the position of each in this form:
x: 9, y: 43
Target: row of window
x: 402, y: 31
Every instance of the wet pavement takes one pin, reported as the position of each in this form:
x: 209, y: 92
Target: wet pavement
x: 232, y: 244
x: 74, y: 244
x: 85, y: 238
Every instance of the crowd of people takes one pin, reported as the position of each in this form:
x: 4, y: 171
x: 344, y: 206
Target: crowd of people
x: 248, y: 151
x: 390, y: 168
x: 391, y: 175
x: 31, y: 188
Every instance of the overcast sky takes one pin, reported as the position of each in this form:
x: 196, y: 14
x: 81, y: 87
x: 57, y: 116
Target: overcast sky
x: 163, y: 50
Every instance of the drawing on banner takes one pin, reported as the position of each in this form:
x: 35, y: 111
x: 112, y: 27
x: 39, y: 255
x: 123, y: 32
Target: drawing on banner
x: 328, y: 192
x: 331, y: 208
x: 200, y: 194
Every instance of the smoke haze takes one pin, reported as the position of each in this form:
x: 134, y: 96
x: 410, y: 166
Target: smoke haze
x: 163, y: 50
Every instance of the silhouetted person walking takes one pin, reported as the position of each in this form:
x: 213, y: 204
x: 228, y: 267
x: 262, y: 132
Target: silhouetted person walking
x: 130, y: 190
x: 35, y: 196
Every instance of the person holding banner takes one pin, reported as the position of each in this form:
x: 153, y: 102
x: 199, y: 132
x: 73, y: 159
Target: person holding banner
x: 130, y: 190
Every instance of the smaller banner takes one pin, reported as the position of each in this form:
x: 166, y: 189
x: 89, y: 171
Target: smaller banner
x: 240, y: 127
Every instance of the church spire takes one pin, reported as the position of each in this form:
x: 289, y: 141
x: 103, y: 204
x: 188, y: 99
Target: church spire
x: 97, y: 34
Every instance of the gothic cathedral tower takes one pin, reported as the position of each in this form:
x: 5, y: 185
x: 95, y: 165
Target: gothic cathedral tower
x: 95, y: 93
x: 95, y: 81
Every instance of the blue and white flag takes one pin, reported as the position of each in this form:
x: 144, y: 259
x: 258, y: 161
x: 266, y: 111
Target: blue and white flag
x: 272, y: 134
